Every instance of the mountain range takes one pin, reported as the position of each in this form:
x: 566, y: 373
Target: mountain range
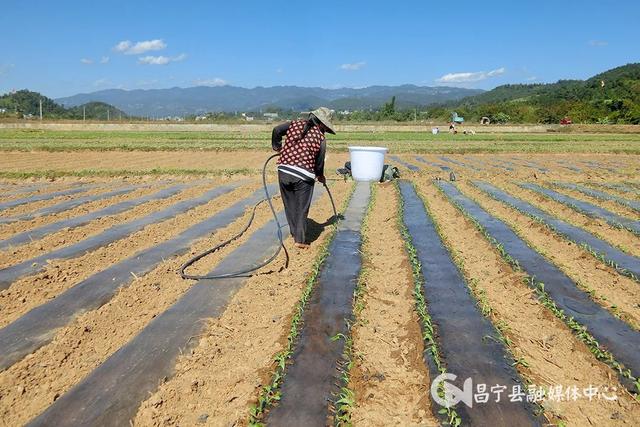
x: 201, y: 99
x: 612, y: 96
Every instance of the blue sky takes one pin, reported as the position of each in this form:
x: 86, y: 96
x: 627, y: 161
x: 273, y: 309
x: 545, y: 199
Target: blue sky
x: 61, y: 48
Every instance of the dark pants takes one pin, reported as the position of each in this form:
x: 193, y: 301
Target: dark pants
x: 296, y: 195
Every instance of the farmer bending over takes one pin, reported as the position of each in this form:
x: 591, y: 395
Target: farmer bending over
x: 301, y: 162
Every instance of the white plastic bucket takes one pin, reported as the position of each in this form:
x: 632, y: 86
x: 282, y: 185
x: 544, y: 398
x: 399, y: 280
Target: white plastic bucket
x: 367, y: 163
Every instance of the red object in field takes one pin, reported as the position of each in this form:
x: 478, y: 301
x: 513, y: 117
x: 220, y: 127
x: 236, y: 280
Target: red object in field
x: 566, y: 121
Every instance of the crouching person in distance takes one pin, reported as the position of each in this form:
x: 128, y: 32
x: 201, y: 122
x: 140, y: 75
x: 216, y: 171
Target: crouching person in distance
x: 300, y: 164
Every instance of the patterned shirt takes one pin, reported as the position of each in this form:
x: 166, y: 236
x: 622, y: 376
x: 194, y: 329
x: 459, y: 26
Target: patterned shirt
x: 302, y: 154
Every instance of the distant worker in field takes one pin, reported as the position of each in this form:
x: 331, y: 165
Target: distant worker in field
x: 300, y: 164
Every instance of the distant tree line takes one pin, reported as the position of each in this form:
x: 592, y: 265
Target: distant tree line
x: 610, y: 97
x: 25, y: 103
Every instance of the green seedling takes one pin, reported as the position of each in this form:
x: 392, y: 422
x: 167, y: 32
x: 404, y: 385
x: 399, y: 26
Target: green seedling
x: 269, y: 395
x: 579, y: 330
x: 600, y: 256
x: 344, y: 402
x: 449, y: 416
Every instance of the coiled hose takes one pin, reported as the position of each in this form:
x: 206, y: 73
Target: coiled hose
x: 279, y: 226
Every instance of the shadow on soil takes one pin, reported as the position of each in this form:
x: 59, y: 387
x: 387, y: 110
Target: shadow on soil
x: 315, y: 229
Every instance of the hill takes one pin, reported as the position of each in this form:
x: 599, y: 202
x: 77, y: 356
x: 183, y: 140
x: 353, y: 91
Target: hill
x: 201, y: 99
x: 609, y: 97
x: 96, y: 111
x: 27, y: 103
x: 620, y: 82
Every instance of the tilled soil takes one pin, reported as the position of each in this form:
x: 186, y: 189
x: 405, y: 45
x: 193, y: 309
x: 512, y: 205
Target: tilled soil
x: 617, y: 293
x: 39, y: 204
x: 606, y: 204
x: 553, y: 354
x: 67, y: 237
x: 59, y: 275
x: 127, y: 160
x: 220, y: 379
x: 614, y: 191
x: 623, y: 239
x: 29, y: 386
x: 389, y: 378
x: 7, y: 230
x: 15, y: 189
x: 486, y: 163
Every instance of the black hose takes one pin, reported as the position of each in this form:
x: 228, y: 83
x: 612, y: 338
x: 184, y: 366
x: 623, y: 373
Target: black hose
x: 267, y: 198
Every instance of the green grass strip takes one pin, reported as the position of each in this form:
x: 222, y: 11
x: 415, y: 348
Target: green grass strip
x: 419, y: 142
x: 349, y: 135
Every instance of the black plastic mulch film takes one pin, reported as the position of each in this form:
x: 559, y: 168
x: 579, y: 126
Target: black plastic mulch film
x: 313, y: 378
x: 468, y: 342
x: 612, y: 333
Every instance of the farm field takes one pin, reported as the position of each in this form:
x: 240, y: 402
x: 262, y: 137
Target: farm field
x: 510, y: 259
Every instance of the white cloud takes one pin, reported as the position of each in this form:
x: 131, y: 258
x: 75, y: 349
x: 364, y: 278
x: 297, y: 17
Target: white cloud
x: 145, y: 46
x: 86, y: 61
x: 161, y: 60
x: 104, y: 60
x: 598, y: 43
x: 216, y: 81
x: 129, y: 48
x: 531, y: 79
x: 154, y: 60
x: 470, y: 77
x: 353, y: 67
x: 123, y: 46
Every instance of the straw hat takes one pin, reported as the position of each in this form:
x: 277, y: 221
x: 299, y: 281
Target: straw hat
x: 324, y: 115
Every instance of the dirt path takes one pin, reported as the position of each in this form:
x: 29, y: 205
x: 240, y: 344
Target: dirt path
x: 553, y: 355
x: 390, y: 379
x: 128, y: 160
